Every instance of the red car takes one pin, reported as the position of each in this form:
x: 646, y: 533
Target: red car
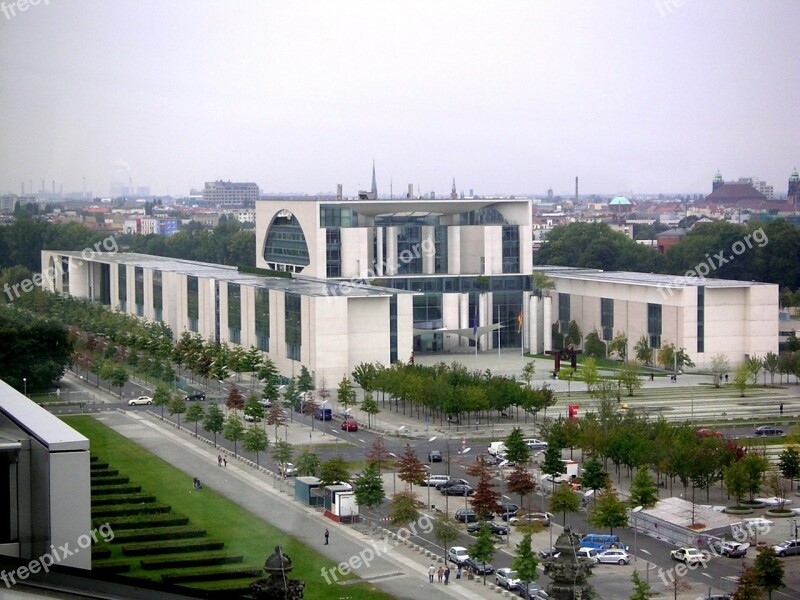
x: 349, y: 425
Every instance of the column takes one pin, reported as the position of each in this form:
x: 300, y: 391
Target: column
x: 533, y: 324
x: 547, y: 320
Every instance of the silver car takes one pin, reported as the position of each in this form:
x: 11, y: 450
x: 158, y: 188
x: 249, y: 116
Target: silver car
x: 614, y: 556
x: 787, y: 548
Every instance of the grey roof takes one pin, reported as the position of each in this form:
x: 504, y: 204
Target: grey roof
x: 654, y: 279
x: 38, y: 423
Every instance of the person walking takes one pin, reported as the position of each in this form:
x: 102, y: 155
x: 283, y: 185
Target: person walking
x: 225, y: 461
x: 458, y: 572
x: 327, y: 535
x: 219, y: 460
x: 447, y: 575
x: 440, y: 574
x: 781, y: 408
x: 431, y: 572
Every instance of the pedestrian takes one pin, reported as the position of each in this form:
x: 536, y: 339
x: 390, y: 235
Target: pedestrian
x: 726, y: 378
x: 447, y: 575
x: 440, y: 574
x: 327, y: 535
x: 458, y: 572
x: 431, y: 572
x: 219, y: 460
x: 225, y: 461
x: 652, y: 377
x: 194, y: 482
x: 781, y: 408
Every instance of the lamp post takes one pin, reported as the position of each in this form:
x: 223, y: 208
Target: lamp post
x: 394, y: 473
x: 25, y: 384
x: 635, y: 533
x: 508, y: 525
x: 430, y: 471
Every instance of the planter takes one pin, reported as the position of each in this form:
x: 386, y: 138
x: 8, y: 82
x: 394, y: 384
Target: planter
x: 780, y: 514
x: 738, y: 510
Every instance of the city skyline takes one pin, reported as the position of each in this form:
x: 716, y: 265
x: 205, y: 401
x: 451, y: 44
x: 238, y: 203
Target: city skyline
x: 641, y: 97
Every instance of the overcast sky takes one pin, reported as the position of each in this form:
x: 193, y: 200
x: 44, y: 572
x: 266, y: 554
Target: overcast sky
x: 507, y: 97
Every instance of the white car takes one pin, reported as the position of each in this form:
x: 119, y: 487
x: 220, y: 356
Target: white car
x: 690, y: 556
x: 435, y: 480
x: 287, y: 469
x: 458, y: 555
x: 589, y: 554
x: 140, y: 400
x: 614, y: 556
x: 506, y: 578
x: 760, y: 522
x: 773, y: 501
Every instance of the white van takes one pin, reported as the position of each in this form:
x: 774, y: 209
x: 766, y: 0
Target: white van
x: 497, y: 449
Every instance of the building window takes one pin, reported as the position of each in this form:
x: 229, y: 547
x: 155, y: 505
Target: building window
x: 333, y: 252
x: 158, y: 296
x: 607, y: 318
x: 563, y: 313
x: 393, y: 329
x: 440, y: 246
x: 122, y: 287
x: 507, y: 307
x: 511, y: 249
x: 294, y: 331
x: 654, y: 325
x: 235, y: 313
x: 262, y: 319
x: 216, y: 312
x: 285, y: 248
x: 701, y: 319
x: 409, y: 249
x: 105, y: 284
x: 332, y: 215
x: 139, y: 290
x: 192, y: 303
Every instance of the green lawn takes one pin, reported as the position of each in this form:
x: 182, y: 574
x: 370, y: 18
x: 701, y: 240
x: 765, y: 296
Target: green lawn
x: 242, y: 532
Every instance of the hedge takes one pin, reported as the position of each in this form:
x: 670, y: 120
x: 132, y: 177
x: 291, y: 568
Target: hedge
x: 100, y: 553
x: 113, y: 499
x: 117, y: 480
x: 143, y: 521
x: 115, y: 565
x: 116, y: 489
x: 97, y: 473
x: 159, y: 533
x: 192, y: 560
x: 211, y: 573
x: 123, y: 510
x: 97, y: 466
x: 170, y: 547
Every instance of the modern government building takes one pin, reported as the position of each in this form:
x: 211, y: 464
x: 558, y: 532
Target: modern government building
x: 378, y: 280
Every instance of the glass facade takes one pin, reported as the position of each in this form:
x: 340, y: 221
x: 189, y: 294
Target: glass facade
x: 294, y: 331
x: 333, y: 215
x: 333, y: 252
x: 701, y: 319
x: 511, y: 249
x: 507, y: 308
x: 428, y: 315
x: 393, y: 329
x: 122, y: 287
x: 482, y: 216
x: 139, y: 290
x: 192, y: 303
x: 607, y: 318
x: 158, y: 296
x: 440, y: 245
x: 409, y: 249
x: 235, y: 313
x: 654, y: 325
x: 262, y: 319
x: 563, y: 313
x: 285, y: 248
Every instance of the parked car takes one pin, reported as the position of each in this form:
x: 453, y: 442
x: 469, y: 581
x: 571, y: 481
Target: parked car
x: 551, y: 553
x: 497, y: 449
x: 140, y: 400
x: 196, y: 396
x: 534, y: 591
x: 435, y: 456
x: 265, y: 403
x: 715, y: 597
x: 506, y: 578
x: 459, y: 489
x: 773, y: 501
x: 763, y: 525
x: 787, y: 548
x: 434, y: 480
x: 349, y: 425
x: 601, y: 541
x: 465, y: 515
x: 495, y: 528
x: 589, y: 554
x: 287, y: 469
x: 612, y: 556
x: 450, y: 482
x: 729, y: 548
x: 479, y: 568
x: 543, y: 518
x: 705, y: 432
x: 458, y: 555
x: 536, y: 445
x: 508, y: 510
x: 252, y: 419
x: 690, y: 556
x: 768, y: 430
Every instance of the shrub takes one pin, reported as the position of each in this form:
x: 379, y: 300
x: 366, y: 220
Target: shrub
x: 116, y: 480
x: 171, y: 547
x: 113, y: 499
x: 116, y: 489
x: 130, y: 509
x: 115, y: 565
x: 159, y: 533
x: 195, y: 559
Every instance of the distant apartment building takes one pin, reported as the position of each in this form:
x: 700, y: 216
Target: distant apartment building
x: 151, y: 225
x: 228, y: 193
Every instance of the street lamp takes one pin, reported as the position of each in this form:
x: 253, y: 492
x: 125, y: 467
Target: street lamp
x: 430, y: 471
x: 394, y: 473
x: 25, y: 384
x: 635, y: 532
x: 508, y: 525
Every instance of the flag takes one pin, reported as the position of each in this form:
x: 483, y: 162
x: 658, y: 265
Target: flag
x: 519, y: 322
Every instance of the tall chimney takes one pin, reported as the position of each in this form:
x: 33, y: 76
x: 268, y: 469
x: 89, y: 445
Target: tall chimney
x: 338, y: 191
x: 576, y: 189
x: 410, y: 193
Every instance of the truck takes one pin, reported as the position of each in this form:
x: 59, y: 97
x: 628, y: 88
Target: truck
x: 497, y: 448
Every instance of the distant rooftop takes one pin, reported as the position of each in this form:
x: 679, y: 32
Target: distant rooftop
x: 653, y: 279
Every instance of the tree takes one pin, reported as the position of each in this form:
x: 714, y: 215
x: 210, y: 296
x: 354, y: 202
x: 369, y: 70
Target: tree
x: 628, y: 375
x: 736, y: 480
x: 718, y: 367
x: 334, y: 471
x: 369, y: 487
x: 789, y: 463
x: 644, y: 491
x: 525, y: 563
x: 593, y: 346
x: 194, y: 414
x: 118, y: 377
x: 552, y: 464
x: 666, y: 356
x: 445, y: 531
x: 641, y: 589
x: 410, y: 469
x: 517, y: 450
x: 291, y: 396
x: 541, y: 283
x: 233, y: 431
x: 482, y: 550
x: 379, y: 454
x: 564, y: 501
x: 609, y: 511
x: 590, y: 375
x: 305, y: 383
x: 276, y: 416
x: 370, y: 407
x: 307, y: 464
x: 282, y: 453
x: 619, y: 346
x: 345, y: 394
x: 642, y: 350
x: 177, y: 406
x: 594, y: 476
x: 528, y: 371
x: 771, y: 365
x: 403, y: 510
x: 486, y: 498
x: 268, y: 373
x: 214, y: 421
x: 161, y: 397
x: 567, y: 374
x: 235, y: 400
x: 740, y: 377
x: 574, y: 335
x: 253, y: 408
x: 754, y: 364
x: 747, y: 586
x: 255, y: 440
x: 521, y: 482
x: 756, y: 466
x: 768, y: 570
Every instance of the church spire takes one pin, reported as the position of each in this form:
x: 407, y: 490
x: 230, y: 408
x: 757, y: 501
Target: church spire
x: 453, y: 193
x: 374, y: 190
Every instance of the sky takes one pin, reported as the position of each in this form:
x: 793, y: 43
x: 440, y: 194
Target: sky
x: 511, y: 97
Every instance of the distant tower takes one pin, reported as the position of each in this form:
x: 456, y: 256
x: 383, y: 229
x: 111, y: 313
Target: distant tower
x: 453, y: 193
x: 576, y: 190
x: 410, y: 192
x: 374, y: 190
x: 338, y: 191
x: 718, y: 181
x: 550, y: 194
x: 793, y: 197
